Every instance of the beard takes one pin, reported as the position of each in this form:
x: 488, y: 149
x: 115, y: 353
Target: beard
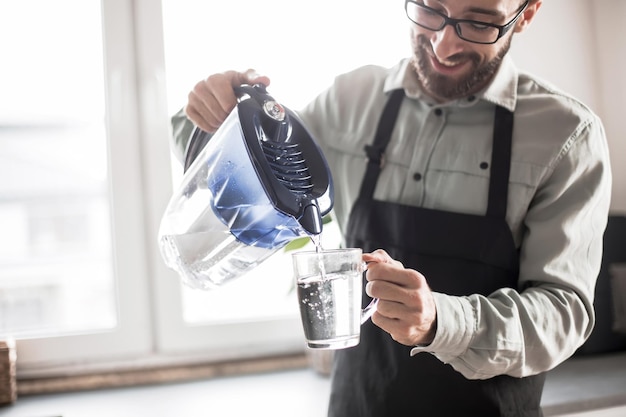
x: 449, y: 88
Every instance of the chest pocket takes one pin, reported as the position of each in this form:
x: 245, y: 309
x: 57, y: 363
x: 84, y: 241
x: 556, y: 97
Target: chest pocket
x: 457, y: 178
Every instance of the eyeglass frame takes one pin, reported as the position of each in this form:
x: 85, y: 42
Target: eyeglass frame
x: 502, y: 29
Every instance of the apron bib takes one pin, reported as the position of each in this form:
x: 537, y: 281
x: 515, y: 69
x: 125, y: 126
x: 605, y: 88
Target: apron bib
x: 459, y: 254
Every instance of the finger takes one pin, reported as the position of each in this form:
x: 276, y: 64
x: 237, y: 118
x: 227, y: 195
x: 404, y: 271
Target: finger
x: 211, y: 100
x: 406, y: 325
x: 391, y: 309
x: 397, y: 329
x: 199, y: 120
x: 378, y: 255
x: 397, y: 275
x: 386, y: 291
x: 251, y: 76
x: 400, y: 331
x: 203, y: 109
x: 218, y: 95
x: 221, y: 88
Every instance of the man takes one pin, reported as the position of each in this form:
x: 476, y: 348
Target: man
x: 482, y: 194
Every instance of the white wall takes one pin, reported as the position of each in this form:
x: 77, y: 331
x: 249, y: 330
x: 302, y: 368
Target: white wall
x: 580, y: 46
x: 610, y: 26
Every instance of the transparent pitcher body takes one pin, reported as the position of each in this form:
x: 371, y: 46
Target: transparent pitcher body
x: 220, y: 223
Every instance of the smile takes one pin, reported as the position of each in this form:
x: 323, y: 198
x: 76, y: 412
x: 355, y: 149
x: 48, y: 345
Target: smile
x: 447, y: 67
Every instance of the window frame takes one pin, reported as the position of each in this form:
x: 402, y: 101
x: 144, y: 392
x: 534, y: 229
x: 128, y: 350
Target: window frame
x: 132, y: 336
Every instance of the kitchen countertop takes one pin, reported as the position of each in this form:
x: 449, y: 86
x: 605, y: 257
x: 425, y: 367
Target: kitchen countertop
x: 586, y: 383
x: 573, y: 389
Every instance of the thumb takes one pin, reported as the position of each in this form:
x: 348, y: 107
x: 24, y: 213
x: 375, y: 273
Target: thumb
x: 251, y: 76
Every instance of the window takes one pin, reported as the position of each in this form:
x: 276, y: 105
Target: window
x: 69, y: 206
x: 87, y: 91
x: 56, y: 257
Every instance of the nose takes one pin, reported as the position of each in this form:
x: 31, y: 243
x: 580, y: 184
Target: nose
x: 446, y: 42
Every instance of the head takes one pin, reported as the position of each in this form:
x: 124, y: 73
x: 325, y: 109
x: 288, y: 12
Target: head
x: 450, y: 67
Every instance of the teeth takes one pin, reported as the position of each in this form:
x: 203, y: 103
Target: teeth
x: 448, y: 64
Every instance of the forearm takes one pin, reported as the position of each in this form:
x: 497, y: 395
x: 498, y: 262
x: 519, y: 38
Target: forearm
x: 512, y: 333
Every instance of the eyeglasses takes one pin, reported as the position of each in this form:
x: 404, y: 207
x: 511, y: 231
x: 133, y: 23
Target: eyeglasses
x: 468, y: 30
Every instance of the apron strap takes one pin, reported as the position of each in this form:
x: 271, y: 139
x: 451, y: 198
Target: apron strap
x: 500, y: 163
x: 376, y: 151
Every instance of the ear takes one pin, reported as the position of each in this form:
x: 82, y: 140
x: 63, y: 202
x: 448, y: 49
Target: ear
x: 528, y: 15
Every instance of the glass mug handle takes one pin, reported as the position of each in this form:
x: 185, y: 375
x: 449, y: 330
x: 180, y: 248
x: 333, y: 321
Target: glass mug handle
x: 367, y: 312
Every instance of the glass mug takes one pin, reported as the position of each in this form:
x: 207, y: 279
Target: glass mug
x: 329, y: 286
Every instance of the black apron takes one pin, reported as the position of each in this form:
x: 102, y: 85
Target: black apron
x: 459, y: 254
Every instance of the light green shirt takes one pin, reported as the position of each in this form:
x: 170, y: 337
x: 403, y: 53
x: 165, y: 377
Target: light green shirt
x: 559, y: 194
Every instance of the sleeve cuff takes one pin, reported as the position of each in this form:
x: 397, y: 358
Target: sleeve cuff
x: 455, y: 327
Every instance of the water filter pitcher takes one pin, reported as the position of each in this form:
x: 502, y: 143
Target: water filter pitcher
x: 258, y: 183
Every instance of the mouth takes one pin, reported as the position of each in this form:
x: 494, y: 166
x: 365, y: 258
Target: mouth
x: 449, y: 67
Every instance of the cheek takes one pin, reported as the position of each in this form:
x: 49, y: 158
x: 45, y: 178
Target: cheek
x: 485, y: 58
x: 416, y: 32
x: 482, y: 54
x: 419, y: 41
x: 413, y: 37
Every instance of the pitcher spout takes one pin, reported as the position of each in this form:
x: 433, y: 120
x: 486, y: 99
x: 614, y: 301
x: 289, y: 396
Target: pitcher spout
x: 311, y: 219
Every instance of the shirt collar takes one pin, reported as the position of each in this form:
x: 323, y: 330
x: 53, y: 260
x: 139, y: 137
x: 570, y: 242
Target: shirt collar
x: 501, y: 91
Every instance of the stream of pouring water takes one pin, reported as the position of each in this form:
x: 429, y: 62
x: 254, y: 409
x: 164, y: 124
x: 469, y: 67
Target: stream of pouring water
x: 317, y: 242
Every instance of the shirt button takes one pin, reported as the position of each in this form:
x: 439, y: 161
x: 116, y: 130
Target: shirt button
x: 417, y: 176
x: 471, y: 98
x: 484, y: 165
x: 438, y: 112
